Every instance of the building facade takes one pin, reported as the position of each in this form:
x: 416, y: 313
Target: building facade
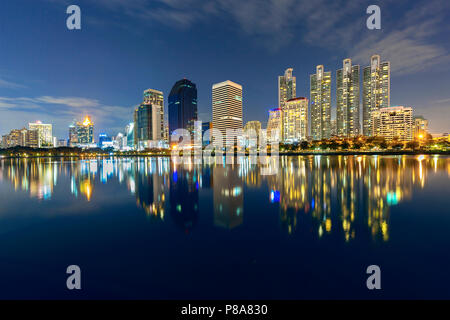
x: 295, y: 120
x: 420, y: 127
x: 183, y: 106
x: 206, y: 135
x: 45, y: 133
x: 252, y: 132
x: 149, y: 121
x: 21, y: 138
x: 227, y: 107
x: 347, y: 98
x: 286, y: 87
x: 274, y: 130
x: 393, y: 123
x: 320, y: 104
x: 85, y: 131
x: 129, y: 132
x: 73, y: 137
x: 376, y: 90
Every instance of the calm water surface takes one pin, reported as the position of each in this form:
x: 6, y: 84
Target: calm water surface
x: 148, y: 229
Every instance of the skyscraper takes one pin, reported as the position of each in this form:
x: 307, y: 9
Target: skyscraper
x: 320, y: 104
x: 85, y: 131
x: 206, y: 135
x: 227, y: 107
x: 295, y: 120
x: 149, y: 120
x: 420, y: 127
x: 347, y: 83
x: 252, y: 131
x: 393, y: 122
x: 376, y: 90
x: 73, y: 138
x: 183, y: 106
x: 286, y: 87
x: 274, y: 131
x: 45, y: 133
x: 129, y: 132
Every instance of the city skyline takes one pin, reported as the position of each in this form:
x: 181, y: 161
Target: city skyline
x: 63, y: 84
x: 151, y: 129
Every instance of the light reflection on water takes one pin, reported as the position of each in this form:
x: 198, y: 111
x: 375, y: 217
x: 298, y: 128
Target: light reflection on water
x: 146, y: 228
x: 338, y: 193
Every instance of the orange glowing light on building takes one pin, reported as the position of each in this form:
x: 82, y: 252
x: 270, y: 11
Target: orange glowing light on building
x: 87, y: 121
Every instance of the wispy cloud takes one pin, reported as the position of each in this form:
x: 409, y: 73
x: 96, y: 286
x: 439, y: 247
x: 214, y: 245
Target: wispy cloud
x: 74, y: 102
x: 18, y: 111
x: 10, y: 85
x: 406, y: 38
x: 407, y: 42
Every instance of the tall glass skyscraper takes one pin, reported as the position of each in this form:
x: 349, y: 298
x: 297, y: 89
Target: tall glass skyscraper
x: 149, y: 120
x: 321, y: 104
x: 347, y: 97
x: 376, y: 91
x: 286, y: 87
x: 183, y: 106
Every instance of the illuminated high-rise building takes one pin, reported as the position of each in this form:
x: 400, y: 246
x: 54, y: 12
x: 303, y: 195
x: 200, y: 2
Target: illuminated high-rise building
x: 227, y: 107
x: 347, y: 83
x: 85, y: 131
x: 129, y: 132
x: 274, y: 130
x: 376, y: 90
x: 333, y: 131
x: 286, y: 87
x: 295, y: 120
x: 206, y: 133
x: 252, y: 131
x: 32, y: 138
x: 45, y: 133
x: 149, y: 120
x: 73, y: 137
x: 393, y: 123
x: 183, y: 106
x: 253, y: 125
x: 420, y: 127
x: 320, y: 104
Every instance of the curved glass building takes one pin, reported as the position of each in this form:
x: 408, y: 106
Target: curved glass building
x: 183, y: 106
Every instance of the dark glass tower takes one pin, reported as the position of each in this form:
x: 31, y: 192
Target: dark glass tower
x: 183, y: 106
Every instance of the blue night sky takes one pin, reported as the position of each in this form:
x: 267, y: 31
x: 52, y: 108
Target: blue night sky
x: 53, y: 74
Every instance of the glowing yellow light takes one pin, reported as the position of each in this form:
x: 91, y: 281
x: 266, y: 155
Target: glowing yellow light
x: 87, y: 122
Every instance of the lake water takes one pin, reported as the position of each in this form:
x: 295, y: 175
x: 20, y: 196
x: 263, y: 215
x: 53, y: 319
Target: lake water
x: 145, y: 228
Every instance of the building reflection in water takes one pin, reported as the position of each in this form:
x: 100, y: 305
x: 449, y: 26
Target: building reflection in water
x: 148, y: 180
x: 184, y: 196
x: 341, y: 195
x: 228, y: 196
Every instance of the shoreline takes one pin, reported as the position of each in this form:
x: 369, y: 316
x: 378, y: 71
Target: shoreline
x: 305, y: 153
